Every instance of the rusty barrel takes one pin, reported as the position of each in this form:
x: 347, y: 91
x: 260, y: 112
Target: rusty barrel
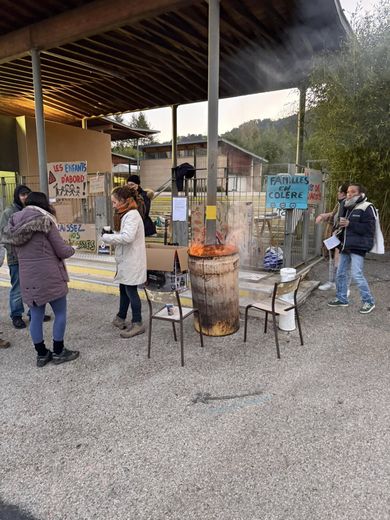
x: 214, y: 286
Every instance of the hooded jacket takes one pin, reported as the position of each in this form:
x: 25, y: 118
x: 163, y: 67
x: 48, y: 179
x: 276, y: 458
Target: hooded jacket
x: 12, y: 258
x: 41, y: 251
x: 358, y: 236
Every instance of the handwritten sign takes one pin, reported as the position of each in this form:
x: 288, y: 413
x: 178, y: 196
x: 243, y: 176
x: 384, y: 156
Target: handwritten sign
x: 315, y: 187
x: 81, y: 235
x: 67, y: 180
x: 96, y: 184
x: 287, y: 191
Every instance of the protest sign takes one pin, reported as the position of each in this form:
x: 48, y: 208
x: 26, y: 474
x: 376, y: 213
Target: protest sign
x: 287, y: 191
x: 81, y: 235
x: 315, y: 186
x: 67, y: 180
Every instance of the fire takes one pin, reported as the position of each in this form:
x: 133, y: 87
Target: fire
x: 211, y: 250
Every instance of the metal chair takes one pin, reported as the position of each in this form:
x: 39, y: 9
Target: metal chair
x: 277, y: 307
x: 179, y: 315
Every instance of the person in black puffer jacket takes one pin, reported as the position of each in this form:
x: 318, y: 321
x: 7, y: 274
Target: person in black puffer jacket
x: 147, y: 195
x: 356, y: 231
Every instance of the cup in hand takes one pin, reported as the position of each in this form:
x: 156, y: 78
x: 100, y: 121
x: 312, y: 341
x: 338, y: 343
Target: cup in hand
x: 106, y: 229
x: 343, y: 221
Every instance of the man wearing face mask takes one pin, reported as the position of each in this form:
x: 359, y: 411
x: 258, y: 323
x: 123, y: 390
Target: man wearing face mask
x: 356, y: 231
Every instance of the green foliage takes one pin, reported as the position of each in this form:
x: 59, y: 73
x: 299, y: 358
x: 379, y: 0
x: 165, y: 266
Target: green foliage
x: 350, y: 100
x: 129, y: 146
x: 273, y: 140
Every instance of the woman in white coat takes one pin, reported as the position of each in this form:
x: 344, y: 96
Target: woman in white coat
x: 130, y: 256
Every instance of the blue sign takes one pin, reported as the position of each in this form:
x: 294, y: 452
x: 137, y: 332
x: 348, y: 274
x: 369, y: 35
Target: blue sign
x: 287, y: 191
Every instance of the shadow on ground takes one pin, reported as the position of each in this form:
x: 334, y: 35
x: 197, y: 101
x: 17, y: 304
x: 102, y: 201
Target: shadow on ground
x: 11, y: 512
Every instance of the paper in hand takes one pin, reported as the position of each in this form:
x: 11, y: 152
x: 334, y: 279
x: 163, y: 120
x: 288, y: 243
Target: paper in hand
x: 332, y: 242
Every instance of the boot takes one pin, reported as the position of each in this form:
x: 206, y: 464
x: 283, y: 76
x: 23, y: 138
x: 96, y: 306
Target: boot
x: 133, y: 330
x: 4, y: 343
x: 119, y: 322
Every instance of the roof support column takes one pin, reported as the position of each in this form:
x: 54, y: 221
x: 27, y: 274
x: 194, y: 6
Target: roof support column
x: 212, y: 131
x: 39, y: 121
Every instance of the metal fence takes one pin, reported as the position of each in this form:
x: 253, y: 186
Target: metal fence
x: 267, y: 238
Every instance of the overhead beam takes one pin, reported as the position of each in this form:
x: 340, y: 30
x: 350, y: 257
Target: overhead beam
x: 93, y: 18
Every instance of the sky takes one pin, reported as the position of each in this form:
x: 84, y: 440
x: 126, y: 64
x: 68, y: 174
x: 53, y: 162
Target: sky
x: 192, y: 118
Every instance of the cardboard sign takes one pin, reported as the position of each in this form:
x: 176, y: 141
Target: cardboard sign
x: 67, y: 180
x: 96, y: 184
x: 287, y: 191
x: 81, y: 235
x: 315, y: 186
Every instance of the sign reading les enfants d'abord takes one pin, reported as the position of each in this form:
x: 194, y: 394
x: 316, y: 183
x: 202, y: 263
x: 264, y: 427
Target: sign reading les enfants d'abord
x: 287, y: 191
x: 67, y: 180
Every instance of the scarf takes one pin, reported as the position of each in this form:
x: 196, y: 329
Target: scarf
x: 121, y: 210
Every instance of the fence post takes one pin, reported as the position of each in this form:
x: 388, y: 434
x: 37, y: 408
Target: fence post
x: 3, y: 199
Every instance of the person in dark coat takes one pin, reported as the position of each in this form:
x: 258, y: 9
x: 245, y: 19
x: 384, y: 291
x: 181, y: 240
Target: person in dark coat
x: 15, y: 297
x: 147, y: 195
x: 43, y: 278
x: 356, y: 231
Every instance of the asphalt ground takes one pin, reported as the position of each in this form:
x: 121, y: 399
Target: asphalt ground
x: 234, y: 435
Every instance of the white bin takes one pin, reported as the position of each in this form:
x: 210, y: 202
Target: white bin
x: 287, y: 321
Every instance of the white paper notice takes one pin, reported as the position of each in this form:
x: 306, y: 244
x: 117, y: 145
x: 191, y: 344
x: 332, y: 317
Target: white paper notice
x: 179, y: 209
x: 332, y: 242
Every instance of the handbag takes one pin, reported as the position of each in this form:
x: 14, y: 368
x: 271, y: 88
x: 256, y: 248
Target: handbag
x: 379, y: 243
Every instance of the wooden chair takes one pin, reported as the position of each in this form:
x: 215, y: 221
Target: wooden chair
x: 179, y: 315
x: 277, y: 307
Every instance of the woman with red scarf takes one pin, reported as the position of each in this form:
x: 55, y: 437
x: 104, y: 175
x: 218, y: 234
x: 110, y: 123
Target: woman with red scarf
x: 130, y: 257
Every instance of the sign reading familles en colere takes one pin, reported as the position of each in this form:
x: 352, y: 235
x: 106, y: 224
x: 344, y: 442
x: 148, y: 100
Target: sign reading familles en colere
x: 287, y: 191
x: 67, y: 180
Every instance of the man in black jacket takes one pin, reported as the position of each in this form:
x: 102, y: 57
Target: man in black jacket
x: 356, y: 231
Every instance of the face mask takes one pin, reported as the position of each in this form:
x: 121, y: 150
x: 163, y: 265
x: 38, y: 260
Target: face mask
x: 352, y: 201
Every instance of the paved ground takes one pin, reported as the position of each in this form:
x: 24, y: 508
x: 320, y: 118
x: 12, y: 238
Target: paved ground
x: 115, y: 436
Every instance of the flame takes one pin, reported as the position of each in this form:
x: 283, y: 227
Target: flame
x: 211, y: 250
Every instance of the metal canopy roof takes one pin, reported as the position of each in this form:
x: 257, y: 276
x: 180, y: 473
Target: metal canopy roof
x: 110, y: 56
x: 118, y: 131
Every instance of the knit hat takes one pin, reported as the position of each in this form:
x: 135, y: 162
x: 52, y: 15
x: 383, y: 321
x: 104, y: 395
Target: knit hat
x: 134, y: 178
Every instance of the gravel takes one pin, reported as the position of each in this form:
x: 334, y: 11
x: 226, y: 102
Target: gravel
x: 235, y: 434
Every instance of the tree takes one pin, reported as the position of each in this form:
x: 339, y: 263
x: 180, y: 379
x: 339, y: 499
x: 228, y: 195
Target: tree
x: 350, y: 100
x: 129, y: 146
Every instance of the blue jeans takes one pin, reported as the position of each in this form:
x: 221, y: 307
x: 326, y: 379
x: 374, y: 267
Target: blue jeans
x: 15, y: 295
x: 128, y: 295
x: 355, y: 264
x: 59, y: 325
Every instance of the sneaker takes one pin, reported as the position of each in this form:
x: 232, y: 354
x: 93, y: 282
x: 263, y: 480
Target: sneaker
x: 366, y: 308
x: 337, y: 303
x: 66, y: 355
x: 44, y: 360
x: 119, y: 322
x: 4, y: 343
x: 133, y: 330
x: 326, y: 286
x: 18, y: 323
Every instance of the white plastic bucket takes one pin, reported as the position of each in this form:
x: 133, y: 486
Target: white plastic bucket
x: 287, y: 321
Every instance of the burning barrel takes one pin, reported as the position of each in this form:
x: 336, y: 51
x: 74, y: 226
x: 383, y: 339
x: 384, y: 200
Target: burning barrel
x: 214, y: 286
